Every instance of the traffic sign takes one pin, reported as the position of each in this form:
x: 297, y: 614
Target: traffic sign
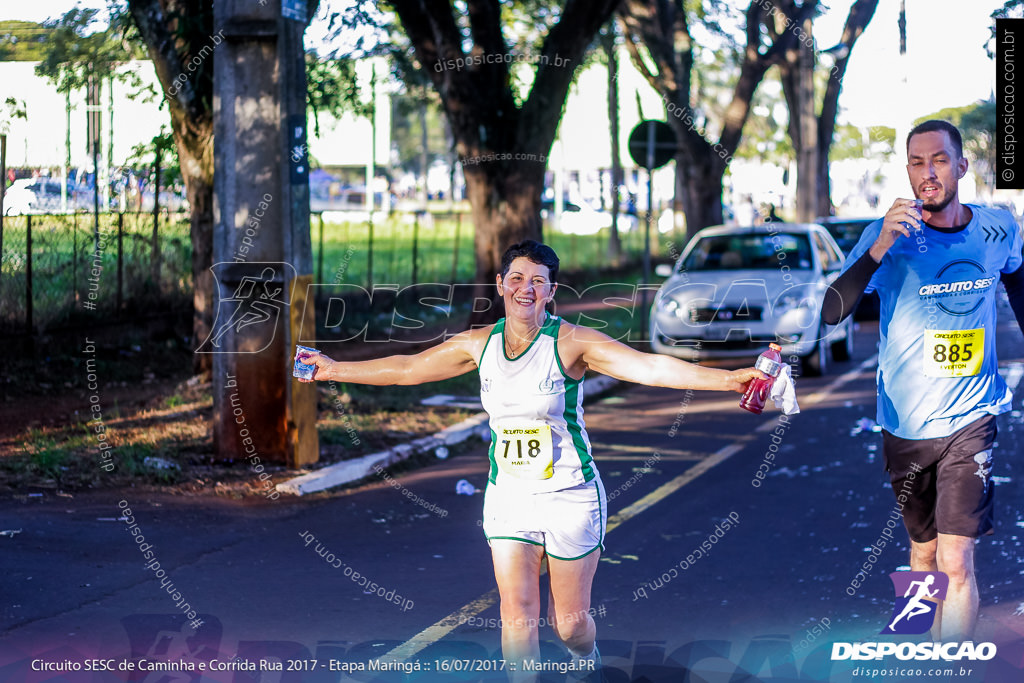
x: 652, y: 144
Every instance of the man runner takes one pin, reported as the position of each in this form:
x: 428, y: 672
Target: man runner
x: 936, y: 271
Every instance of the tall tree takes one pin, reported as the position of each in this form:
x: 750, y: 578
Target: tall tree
x: 610, y: 45
x: 975, y: 124
x: 501, y: 135
x: 23, y: 41
x: 662, y: 47
x: 78, y: 57
x: 178, y: 36
x: 796, y: 72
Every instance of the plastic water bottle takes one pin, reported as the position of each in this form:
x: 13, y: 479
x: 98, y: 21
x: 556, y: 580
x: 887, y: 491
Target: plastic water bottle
x: 770, y: 363
x: 464, y: 488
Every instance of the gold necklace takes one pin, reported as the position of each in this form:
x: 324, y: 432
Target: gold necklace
x: 508, y: 348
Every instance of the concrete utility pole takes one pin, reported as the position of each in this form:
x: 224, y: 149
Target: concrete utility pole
x: 262, y: 253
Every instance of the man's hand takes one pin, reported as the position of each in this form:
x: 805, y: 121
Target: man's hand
x: 902, y: 211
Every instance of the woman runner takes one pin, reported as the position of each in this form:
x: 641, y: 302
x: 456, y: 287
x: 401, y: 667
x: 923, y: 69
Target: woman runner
x: 544, y: 497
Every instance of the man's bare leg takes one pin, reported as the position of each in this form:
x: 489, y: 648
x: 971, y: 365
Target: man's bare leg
x: 955, y: 557
x: 922, y: 559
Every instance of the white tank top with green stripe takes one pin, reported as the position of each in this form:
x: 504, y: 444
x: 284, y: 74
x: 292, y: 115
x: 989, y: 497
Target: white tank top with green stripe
x: 532, y: 402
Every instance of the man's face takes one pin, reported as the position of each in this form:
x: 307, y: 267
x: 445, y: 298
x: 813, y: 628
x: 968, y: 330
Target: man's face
x: 934, y: 168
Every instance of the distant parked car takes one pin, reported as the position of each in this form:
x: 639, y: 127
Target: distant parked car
x: 846, y: 232
x: 579, y: 219
x: 32, y: 195
x: 735, y: 289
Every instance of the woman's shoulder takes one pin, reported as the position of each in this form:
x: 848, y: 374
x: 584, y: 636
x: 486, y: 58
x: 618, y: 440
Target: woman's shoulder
x: 476, y: 337
x: 572, y: 333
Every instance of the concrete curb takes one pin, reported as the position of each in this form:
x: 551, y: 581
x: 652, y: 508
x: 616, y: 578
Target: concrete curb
x: 353, y: 470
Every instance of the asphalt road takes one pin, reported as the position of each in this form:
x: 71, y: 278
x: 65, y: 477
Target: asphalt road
x: 282, y: 583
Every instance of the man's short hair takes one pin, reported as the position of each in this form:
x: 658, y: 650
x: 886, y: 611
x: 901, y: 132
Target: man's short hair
x: 538, y: 253
x: 938, y: 126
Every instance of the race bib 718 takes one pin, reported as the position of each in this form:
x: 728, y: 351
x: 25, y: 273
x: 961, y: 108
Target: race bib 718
x: 524, y: 450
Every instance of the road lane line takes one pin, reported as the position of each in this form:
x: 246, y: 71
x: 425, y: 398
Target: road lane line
x: 683, y: 456
x: 1014, y: 371
x: 665, y: 490
x: 436, y: 632
x: 839, y: 381
x: 442, y: 628
x: 646, y: 451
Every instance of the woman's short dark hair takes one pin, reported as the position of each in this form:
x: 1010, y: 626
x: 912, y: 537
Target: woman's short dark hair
x: 940, y: 126
x: 538, y: 253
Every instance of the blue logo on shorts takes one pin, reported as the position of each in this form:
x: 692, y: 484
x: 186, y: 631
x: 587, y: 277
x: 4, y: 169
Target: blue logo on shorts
x: 917, y: 597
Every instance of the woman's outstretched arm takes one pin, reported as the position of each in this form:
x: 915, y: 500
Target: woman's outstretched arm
x: 453, y: 357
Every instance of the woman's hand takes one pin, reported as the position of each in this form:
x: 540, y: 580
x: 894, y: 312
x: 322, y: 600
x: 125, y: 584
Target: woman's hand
x: 739, y: 380
x: 323, y: 365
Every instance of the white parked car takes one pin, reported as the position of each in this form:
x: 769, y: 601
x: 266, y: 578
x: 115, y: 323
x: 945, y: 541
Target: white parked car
x: 32, y: 195
x: 736, y: 289
x: 583, y: 220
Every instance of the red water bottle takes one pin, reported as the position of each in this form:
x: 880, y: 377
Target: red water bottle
x: 770, y: 363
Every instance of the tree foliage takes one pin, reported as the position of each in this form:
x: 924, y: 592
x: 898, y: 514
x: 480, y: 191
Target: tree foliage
x: 1011, y: 9
x: 332, y: 88
x: 76, y: 54
x: 669, y: 42
x: 22, y: 41
x: 502, y: 72
x: 851, y: 142
x: 12, y: 108
x: 976, y: 129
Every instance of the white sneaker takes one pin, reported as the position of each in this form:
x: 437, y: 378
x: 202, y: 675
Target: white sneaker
x: 583, y: 668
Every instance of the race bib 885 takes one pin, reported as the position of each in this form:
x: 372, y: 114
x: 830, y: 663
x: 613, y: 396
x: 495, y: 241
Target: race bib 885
x: 953, y: 353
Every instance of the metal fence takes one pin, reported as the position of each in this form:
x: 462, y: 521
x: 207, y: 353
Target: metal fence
x: 58, y: 270
x: 415, y: 248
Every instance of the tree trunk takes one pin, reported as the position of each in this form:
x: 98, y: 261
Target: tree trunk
x: 503, y: 144
x: 614, y: 242
x: 807, y: 121
x: 154, y: 261
x: 505, y: 203
x: 197, y: 173
x: 698, y: 182
x: 861, y: 13
x: 424, y: 152
x: 199, y: 190
x: 662, y: 27
x: 189, y: 97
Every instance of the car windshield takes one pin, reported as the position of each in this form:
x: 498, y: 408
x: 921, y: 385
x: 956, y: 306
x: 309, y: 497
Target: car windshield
x: 847, y: 233
x: 735, y: 252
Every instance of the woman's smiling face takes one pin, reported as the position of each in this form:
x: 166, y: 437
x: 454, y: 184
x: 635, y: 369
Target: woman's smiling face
x: 526, y: 288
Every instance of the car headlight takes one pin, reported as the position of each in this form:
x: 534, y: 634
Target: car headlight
x: 789, y: 303
x: 667, y: 305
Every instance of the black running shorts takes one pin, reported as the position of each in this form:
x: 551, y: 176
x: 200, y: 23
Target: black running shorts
x: 944, y: 485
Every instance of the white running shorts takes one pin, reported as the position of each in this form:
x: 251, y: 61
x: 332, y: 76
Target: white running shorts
x: 569, y: 523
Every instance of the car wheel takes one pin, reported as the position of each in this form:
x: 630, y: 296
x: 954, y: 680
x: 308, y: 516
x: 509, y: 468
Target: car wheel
x: 842, y: 350
x: 815, y: 364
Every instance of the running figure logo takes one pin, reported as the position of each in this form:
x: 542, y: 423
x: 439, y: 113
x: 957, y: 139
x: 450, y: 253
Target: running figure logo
x: 917, y: 597
x: 253, y: 301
